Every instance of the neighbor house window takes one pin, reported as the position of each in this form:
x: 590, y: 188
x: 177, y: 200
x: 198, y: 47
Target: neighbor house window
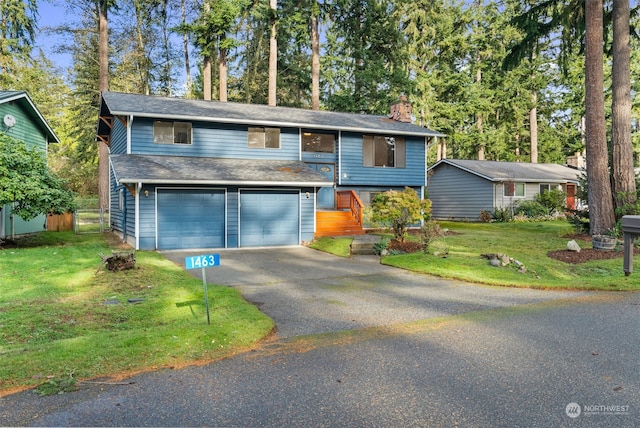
x: 171, y: 132
x: 263, y: 138
x: 383, y: 151
x: 544, y: 188
x: 318, y: 143
x: 514, y: 189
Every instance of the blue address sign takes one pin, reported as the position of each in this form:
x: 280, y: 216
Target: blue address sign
x: 203, y: 261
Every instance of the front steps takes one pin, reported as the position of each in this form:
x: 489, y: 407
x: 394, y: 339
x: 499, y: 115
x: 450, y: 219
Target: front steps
x: 364, y: 245
x: 337, y: 223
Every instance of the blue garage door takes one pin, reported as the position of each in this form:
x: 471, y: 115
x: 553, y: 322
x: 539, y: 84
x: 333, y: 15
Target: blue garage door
x: 190, y: 219
x: 269, y: 218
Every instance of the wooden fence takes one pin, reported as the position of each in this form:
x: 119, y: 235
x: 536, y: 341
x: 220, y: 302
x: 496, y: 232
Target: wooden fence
x: 60, y: 222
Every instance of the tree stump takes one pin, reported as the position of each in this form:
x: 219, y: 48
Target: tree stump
x: 118, y: 260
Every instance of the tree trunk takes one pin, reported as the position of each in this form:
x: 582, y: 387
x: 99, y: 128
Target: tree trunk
x: 185, y: 43
x: 103, y: 85
x: 315, y: 64
x: 206, y: 63
x: 273, y: 54
x: 624, y: 184
x: 533, y: 128
x: 479, y: 124
x: 601, y: 216
x: 222, y: 63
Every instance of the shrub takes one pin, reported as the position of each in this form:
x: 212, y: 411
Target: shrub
x: 531, y: 209
x: 553, y: 200
x: 429, y: 232
x: 502, y: 214
x: 485, y: 217
x: 579, y: 219
x: 381, y: 245
x: 399, y: 210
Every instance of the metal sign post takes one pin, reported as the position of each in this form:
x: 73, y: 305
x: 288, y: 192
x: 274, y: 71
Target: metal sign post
x: 204, y: 261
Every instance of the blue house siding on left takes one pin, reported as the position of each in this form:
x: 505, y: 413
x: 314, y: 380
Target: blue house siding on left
x: 353, y: 172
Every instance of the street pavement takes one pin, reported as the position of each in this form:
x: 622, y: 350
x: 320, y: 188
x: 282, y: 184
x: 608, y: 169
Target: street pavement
x: 359, y: 344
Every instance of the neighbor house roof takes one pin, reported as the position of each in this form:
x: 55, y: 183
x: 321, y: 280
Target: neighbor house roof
x: 196, y: 170
x: 24, y: 101
x: 115, y: 103
x: 514, y: 171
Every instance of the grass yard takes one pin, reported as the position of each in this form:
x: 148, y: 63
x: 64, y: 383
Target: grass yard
x: 528, y: 243
x: 55, y: 323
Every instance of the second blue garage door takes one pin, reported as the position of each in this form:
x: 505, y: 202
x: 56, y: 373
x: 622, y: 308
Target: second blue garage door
x: 191, y: 218
x: 269, y: 218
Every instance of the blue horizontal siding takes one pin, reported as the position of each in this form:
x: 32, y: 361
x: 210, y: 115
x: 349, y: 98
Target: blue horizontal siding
x: 214, y: 140
x: 118, y: 139
x: 353, y: 173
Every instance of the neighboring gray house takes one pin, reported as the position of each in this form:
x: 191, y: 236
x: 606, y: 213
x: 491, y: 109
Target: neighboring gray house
x: 461, y: 189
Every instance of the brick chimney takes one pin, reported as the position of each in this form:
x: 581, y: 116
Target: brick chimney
x: 401, y: 110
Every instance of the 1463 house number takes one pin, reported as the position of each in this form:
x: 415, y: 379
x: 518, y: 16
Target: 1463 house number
x: 203, y: 261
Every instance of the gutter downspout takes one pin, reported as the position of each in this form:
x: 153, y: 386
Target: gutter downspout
x: 137, y: 216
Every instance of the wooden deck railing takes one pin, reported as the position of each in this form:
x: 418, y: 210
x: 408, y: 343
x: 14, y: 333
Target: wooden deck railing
x: 348, y: 199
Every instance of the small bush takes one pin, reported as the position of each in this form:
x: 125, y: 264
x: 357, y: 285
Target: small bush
x: 579, y: 219
x: 381, y: 245
x: 485, y: 216
x: 502, y: 215
x: 532, y: 209
x: 429, y: 231
x: 553, y: 200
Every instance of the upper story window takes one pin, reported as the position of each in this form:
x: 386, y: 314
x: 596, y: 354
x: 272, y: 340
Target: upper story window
x: 263, y: 138
x: 318, y: 143
x: 171, y: 132
x: 383, y: 151
x: 514, y: 189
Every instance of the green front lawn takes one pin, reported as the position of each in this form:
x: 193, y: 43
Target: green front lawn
x: 55, y: 320
x: 528, y: 243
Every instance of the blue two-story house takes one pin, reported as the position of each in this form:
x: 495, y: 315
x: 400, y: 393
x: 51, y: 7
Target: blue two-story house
x: 189, y: 174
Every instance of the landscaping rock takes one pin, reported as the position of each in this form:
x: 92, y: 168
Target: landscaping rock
x: 573, y: 246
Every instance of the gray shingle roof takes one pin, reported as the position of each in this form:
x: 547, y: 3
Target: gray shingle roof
x: 115, y: 103
x: 516, y: 171
x: 197, y: 170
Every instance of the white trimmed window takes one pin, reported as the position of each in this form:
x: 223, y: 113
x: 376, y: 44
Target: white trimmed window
x: 513, y: 189
x: 171, y: 132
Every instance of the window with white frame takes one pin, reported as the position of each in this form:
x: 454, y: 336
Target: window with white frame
x: 544, y: 188
x: 263, y: 138
x: 383, y: 151
x: 514, y: 189
x: 165, y: 132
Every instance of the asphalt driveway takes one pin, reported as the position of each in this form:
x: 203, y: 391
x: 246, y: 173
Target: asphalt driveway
x: 307, y: 291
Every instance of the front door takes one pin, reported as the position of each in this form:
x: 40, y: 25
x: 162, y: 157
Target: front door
x: 327, y: 194
x: 571, y: 196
